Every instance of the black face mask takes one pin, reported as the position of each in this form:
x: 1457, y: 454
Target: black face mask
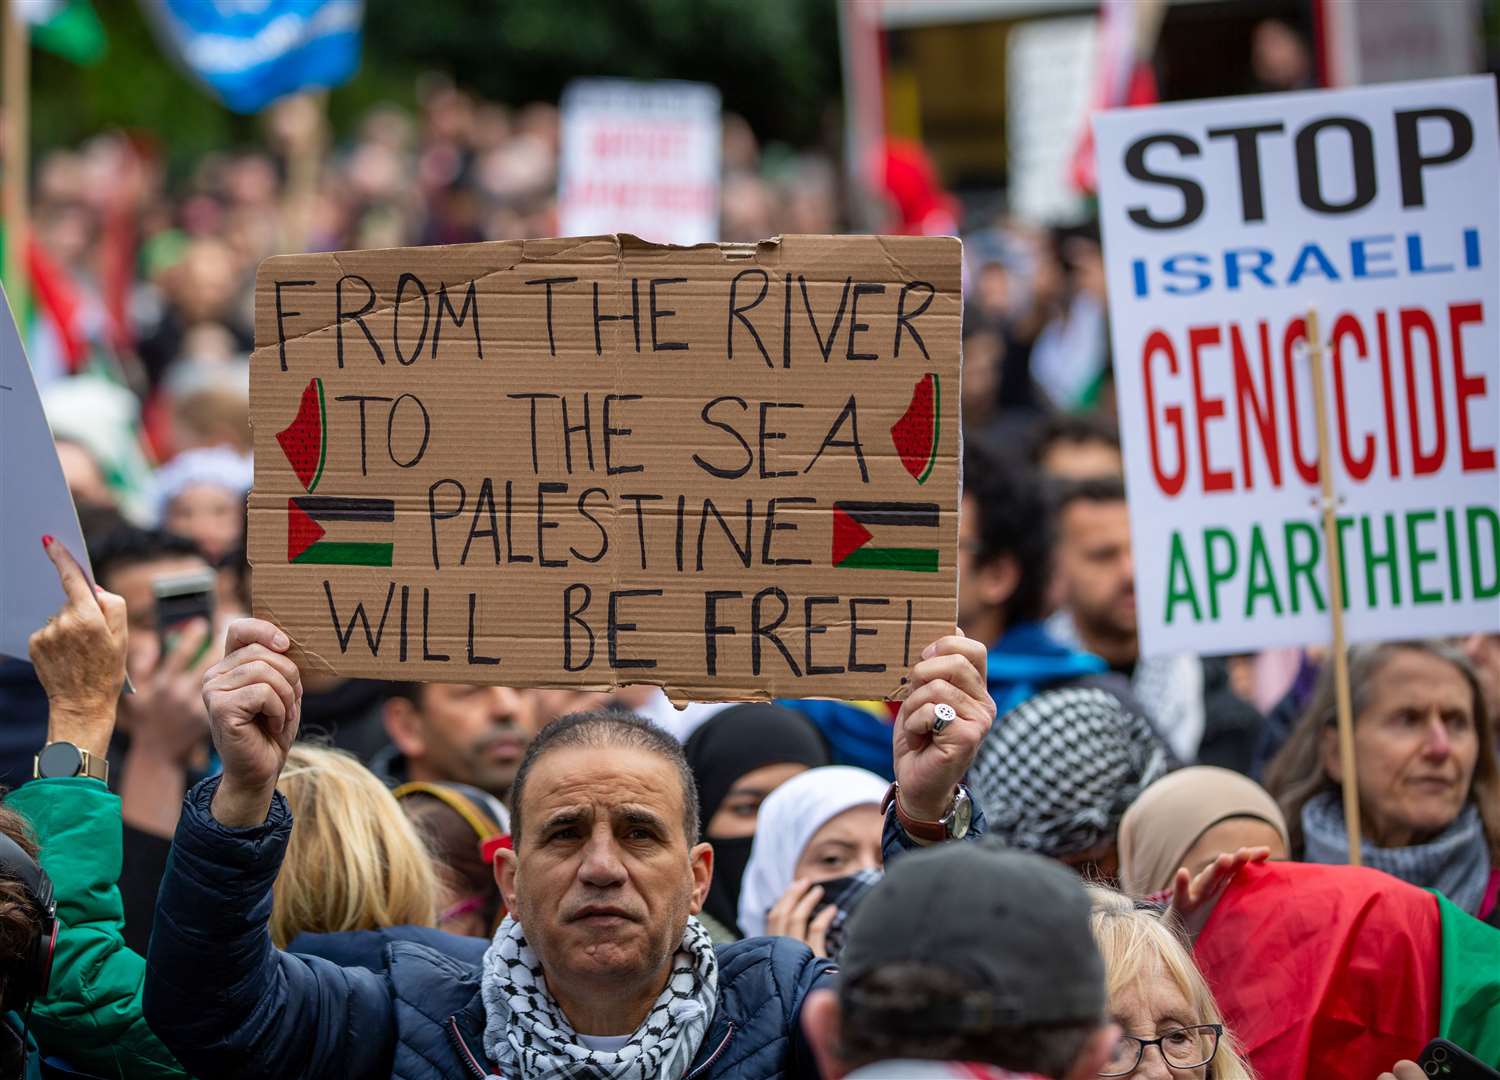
x: 723, y: 902
x: 844, y: 893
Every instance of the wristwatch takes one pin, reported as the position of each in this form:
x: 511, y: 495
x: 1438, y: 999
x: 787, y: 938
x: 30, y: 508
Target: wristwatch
x: 953, y: 825
x: 62, y: 759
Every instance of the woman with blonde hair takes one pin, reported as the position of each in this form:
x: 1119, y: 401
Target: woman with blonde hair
x: 1172, y: 1026
x: 354, y: 861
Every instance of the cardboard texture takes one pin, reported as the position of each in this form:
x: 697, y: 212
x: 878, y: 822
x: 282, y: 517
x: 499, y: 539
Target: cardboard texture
x: 729, y: 470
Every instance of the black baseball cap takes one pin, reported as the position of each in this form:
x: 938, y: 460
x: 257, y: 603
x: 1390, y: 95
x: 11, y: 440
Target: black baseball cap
x: 1012, y: 927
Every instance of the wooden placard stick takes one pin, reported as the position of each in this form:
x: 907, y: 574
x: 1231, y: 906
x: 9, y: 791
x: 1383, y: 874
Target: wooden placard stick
x: 1335, y: 593
x: 17, y: 94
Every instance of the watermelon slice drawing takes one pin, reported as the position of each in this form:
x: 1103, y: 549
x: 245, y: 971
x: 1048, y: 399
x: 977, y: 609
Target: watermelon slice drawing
x: 305, y: 440
x: 916, y: 433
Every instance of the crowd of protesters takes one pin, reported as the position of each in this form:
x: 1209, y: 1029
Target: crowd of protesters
x: 1055, y: 857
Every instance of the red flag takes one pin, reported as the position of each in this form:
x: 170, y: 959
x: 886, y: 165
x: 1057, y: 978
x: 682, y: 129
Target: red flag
x: 1324, y: 971
x: 57, y: 298
x: 1122, y: 73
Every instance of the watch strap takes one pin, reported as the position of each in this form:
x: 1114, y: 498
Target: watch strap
x: 94, y: 766
x: 932, y: 832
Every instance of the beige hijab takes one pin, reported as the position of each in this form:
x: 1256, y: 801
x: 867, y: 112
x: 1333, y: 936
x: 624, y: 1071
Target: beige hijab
x: 1162, y: 826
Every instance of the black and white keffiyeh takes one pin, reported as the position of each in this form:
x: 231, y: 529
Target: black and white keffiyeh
x: 527, y: 1037
x: 1056, y: 773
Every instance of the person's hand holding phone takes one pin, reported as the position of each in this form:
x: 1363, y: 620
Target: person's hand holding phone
x: 1404, y: 1070
x: 166, y: 717
x: 793, y: 916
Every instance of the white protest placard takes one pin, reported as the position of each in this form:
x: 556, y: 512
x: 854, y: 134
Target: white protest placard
x: 1224, y: 223
x: 34, y: 500
x: 640, y: 158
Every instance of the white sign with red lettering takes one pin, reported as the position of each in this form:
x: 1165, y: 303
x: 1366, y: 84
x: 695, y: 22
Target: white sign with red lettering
x: 1224, y: 223
x: 641, y: 158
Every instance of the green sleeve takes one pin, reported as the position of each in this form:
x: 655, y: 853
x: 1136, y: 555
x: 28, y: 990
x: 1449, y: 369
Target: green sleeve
x: 91, y: 1014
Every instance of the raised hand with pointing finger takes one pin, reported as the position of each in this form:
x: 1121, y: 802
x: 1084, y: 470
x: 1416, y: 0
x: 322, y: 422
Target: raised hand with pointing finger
x: 79, y: 657
x: 254, y: 699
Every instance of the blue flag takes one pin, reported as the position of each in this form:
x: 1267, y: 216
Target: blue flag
x: 251, y: 52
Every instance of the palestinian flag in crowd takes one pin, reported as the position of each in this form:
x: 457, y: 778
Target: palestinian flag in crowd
x: 1326, y: 971
x: 69, y: 28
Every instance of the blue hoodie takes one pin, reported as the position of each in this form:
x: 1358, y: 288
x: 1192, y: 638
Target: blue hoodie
x: 1027, y: 659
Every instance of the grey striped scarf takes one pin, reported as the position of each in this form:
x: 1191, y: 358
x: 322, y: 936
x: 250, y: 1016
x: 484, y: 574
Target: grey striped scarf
x: 1456, y: 862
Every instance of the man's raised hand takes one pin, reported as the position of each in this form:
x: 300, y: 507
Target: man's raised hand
x: 254, y: 700
x: 929, y: 764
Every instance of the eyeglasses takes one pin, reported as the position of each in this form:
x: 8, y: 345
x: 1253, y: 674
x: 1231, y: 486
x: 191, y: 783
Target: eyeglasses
x: 1181, y: 1048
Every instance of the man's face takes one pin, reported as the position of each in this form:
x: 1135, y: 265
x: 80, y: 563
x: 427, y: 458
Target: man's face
x: 1095, y: 568
x: 983, y: 586
x: 603, y: 877
x: 133, y: 584
x: 472, y: 734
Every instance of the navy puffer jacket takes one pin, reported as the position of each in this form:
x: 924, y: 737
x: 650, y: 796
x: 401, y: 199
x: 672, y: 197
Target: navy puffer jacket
x: 229, y: 1004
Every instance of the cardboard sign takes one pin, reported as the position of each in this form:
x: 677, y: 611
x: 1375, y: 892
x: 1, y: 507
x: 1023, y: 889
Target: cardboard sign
x: 1223, y: 224
x: 35, y: 496
x: 642, y: 158
x: 729, y: 470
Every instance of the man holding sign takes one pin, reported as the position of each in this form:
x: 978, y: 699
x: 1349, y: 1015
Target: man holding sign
x: 601, y: 967
x: 729, y: 471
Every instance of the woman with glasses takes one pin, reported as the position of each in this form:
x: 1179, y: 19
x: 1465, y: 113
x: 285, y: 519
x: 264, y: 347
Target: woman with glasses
x: 1172, y: 1030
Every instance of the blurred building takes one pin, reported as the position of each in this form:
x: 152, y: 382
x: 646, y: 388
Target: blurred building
x: 998, y: 90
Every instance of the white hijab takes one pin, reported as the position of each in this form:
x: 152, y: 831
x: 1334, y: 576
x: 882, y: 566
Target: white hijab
x: 787, y: 821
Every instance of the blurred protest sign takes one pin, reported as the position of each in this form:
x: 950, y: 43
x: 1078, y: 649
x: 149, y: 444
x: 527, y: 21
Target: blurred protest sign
x: 1049, y: 84
x: 35, y: 497
x: 730, y: 470
x: 1224, y: 224
x: 250, y: 54
x: 640, y: 158
x: 1398, y: 39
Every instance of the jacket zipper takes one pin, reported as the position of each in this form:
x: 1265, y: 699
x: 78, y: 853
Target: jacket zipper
x: 463, y: 1049
x: 718, y: 1053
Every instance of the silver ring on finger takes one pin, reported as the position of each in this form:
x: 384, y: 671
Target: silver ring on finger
x: 943, y: 715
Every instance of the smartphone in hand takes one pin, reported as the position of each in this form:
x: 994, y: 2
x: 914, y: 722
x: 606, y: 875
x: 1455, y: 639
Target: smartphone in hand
x: 1441, y: 1058
x: 181, y: 598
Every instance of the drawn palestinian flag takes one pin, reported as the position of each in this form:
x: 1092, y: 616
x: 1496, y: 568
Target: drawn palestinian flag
x: 304, y: 533
x: 855, y: 524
